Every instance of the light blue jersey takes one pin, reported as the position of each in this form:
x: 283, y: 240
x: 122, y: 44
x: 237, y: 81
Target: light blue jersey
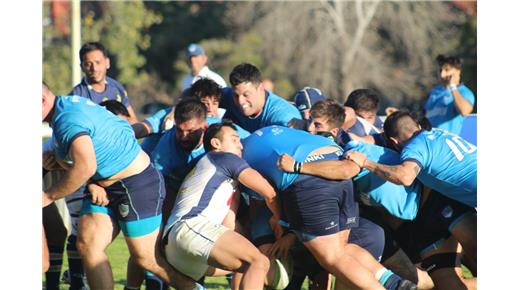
x: 276, y: 111
x: 114, y: 143
x: 448, y: 164
x: 169, y: 157
x: 440, y: 108
x: 262, y: 148
x: 400, y: 201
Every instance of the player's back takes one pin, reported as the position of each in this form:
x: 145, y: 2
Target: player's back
x: 449, y: 163
x: 208, y: 188
x: 114, y: 143
x: 262, y: 148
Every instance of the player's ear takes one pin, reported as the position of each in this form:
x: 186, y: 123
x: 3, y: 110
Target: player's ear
x: 215, y: 143
x: 394, y: 140
x: 108, y: 62
x: 334, y: 132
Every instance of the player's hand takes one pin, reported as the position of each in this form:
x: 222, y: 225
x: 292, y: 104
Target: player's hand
x: 99, y: 195
x: 277, y: 228
x: 390, y: 110
x: 281, y: 247
x: 168, y: 121
x: 455, y: 78
x: 50, y: 163
x: 358, y: 158
x: 46, y: 200
x: 285, y: 163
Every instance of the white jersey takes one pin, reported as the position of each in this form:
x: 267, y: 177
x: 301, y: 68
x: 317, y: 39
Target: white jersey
x: 209, y: 187
x: 205, y: 72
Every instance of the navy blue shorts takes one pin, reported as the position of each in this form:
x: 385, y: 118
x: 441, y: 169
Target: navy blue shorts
x: 432, y: 225
x: 135, y: 202
x: 319, y: 207
x: 369, y: 236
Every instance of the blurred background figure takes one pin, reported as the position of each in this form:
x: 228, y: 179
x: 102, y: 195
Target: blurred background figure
x: 197, y: 59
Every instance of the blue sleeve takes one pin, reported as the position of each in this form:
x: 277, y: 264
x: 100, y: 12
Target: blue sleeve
x: 467, y: 94
x: 73, y: 125
x: 417, y: 151
x: 230, y: 164
x: 77, y: 91
x: 241, y: 132
x: 157, y: 119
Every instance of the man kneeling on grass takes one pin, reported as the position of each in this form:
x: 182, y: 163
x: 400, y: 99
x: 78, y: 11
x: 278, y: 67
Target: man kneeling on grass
x: 196, y: 241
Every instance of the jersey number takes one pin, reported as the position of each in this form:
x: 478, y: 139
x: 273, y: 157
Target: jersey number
x: 458, y: 145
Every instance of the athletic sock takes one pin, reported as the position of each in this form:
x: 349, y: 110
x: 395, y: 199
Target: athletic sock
x: 52, y: 276
x: 388, y: 279
x: 153, y: 282
x: 76, y: 273
x: 131, y: 288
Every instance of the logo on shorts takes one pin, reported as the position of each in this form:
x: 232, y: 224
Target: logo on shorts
x: 447, y: 212
x: 332, y: 225
x: 123, y: 210
x: 351, y: 220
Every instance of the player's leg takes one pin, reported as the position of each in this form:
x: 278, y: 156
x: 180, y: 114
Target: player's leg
x: 330, y: 251
x: 249, y: 260
x: 76, y: 273
x: 45, y: 253
x: 443, y: 265
x: 96, y: 231
x: 464, y: 230
x: 56, y: 234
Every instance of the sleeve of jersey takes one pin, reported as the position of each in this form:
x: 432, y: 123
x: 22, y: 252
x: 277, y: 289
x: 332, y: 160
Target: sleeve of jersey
x: 468, y: 95
x: 157, y: 119
x: 124, y: 96
x: 231, y: 164
x: 74, y: 124
x: 415, y: 151
x: 241, y: 132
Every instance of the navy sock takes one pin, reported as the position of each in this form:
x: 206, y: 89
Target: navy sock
x: 52, y: 277
x: 392, y: 282
x: 76, y: 273
x: 154, y: 283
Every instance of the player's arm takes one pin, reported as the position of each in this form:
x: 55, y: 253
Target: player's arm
x: 83, y: 167
x: 329, y: 169
x: 463, y: 106
x: 133, y: 118
x: 255, y: 181
x: 404, y: 173
x: 141, y: 129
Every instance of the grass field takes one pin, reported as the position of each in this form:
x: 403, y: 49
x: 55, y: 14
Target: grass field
x: 118, y: 255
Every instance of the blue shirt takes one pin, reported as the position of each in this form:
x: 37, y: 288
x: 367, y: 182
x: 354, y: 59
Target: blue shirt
x: 400, y: 201
x: 113, y: 138
x: 440, y: 108
x: 276, y: 111
x: 262, y: 148
x: 173, y: 161
x: 113, y: 91
x: 448, y: 164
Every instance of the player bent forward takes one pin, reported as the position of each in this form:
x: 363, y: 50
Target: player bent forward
x: 196, y: 242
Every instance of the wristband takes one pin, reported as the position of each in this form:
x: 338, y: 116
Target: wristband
x: 297, y: 167
x: 453, y: 87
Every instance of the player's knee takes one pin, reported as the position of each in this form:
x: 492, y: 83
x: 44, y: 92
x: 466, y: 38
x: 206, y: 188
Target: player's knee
x: 441, y: 261
x: 260, y: 261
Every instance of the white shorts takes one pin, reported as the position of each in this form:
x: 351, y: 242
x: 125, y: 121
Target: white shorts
x: 189, y: 245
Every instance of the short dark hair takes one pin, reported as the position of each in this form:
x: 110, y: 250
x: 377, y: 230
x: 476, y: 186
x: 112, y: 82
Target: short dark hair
x: 115, y: 107
x: 205, y: 88
x: 188, y: 109
x: 330, y: 109
x: 363, y: 100
x: 243, y: 73
x: 453, y: 61
x: 396, y: 122
x: 91, y: 46
x: 213, y: 131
